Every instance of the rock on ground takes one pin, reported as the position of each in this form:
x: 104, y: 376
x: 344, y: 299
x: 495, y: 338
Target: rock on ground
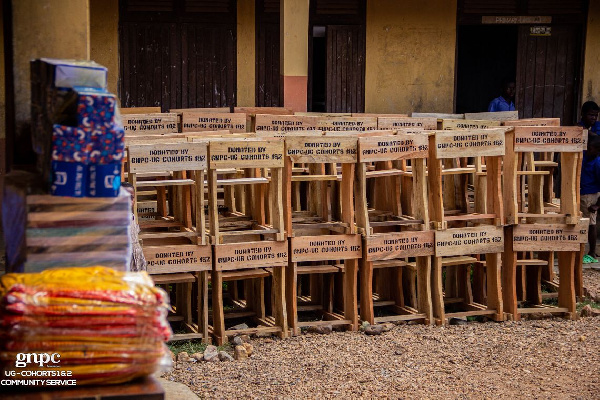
x: 240, y: 353
x: 249, y: 349
x: 588, y: 311
x: 211, y: 353
x: 225, y: 356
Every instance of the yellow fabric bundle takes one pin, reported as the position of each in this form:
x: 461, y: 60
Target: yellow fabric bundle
x: 105, y: 325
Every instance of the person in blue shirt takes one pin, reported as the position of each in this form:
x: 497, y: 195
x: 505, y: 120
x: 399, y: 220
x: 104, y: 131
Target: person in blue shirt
x: 590, y: 193
x: 589, y: 118
x: 505, y: 102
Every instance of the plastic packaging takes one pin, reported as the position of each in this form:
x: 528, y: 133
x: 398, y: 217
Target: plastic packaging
x: 91, y: 325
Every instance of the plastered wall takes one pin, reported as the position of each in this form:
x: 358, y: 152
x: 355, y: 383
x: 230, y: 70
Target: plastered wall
x: 293, y: 20
x: 246, y: 53
x: 2, y: 90
x: 104, y: 38
x: 591, y: 68
x: 410, y: 56
x: 45, y: 28
x: 294, y: 37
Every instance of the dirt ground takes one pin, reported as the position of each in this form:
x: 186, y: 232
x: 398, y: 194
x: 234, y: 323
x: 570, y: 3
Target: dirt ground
x: 551, y: 358
x: 591, y: 281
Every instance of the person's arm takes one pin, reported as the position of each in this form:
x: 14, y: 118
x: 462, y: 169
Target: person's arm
x: 492, y: 106
x: 595, y: 207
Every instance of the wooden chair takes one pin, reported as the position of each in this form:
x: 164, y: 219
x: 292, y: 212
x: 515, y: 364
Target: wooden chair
x: 393, y: 233
x: 463, y: 232
x: 324, y: 245
x: 537, y: 227
x: 177, y: 253
x: 246, y: 247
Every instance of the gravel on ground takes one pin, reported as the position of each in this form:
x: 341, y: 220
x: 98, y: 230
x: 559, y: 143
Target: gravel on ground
x: 549, y: 358
x: 591, y: 281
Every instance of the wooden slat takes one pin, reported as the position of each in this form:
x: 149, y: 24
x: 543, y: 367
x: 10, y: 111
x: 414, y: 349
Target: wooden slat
x: 459, y: 260
x: 250, y: 232
x: 184, y: 336
x: 319, y: 225
x: 533, y: 172
x: 470, y: 313
x: 319, y: 269
x: 163, y: 235
x: 244, y: 274
x: 393, y: 318
x: 169, y: 182
x: 469, y: 217
x: 313, y: 178
x: 396, y: 223
x: 173, y: 278
x: 239, y: 314
x: 242, y: 181
x: 387, y: 172
x: 389, y: 263
x: 458, y: 171
x: 328, y: 322
x: 535, y: 310
x: 253, y: 331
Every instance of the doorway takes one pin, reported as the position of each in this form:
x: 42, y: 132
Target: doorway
x: 336, y: 56
x: 319, y: 69
x: 268, y: 79
x: 487, y: 55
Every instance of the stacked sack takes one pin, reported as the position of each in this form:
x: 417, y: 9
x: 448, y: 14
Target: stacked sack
x: 101, y: 325
x: 76, y: 128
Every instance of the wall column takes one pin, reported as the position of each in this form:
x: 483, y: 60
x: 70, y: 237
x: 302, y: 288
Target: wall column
x: 591, y: 66
x: 104, y: 38
x: 246, y: 53
x: 42, y: 28
x: 294, y: 53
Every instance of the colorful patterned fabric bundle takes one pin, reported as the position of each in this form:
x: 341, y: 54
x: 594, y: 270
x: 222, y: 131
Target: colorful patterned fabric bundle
x: 105, y: 326
x: 95, y: 145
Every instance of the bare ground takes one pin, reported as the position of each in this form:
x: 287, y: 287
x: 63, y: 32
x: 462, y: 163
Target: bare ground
x: 552, y: 358
x: 591, y: 281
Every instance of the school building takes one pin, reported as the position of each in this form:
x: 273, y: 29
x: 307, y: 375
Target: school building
x: 374, y: 56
